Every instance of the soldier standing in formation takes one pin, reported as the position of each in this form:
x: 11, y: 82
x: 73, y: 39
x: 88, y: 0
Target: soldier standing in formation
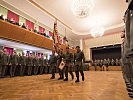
x: 22, y: 63
x: 117, y: 62
x: 68, y: 64
x: 112, y: 62
x: 4, y: 62
x: 29, y: 63
x: 52, y: 63
x: 36, y: 64
x: 78, y: 60
x: 13, y: 61
x: 95, y: 64
x: 42, y: 64
x: 105, y: 62
x: 101, y: 64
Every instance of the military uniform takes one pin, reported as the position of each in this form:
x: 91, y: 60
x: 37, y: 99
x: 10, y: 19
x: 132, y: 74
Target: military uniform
x: 4, y: 63
x: 35, y: 65
x: 78, y: 58
x: 112, y: 62
x: 42, y: 64
x: 108, y: 60
x: 95, y: 64
x: 46, y: 70
x: 101, y: 64
x: 53, y: 63
x: 105, y: 62
x: 68, y: 65
x: 13, y: 62
x: 22, y: 64
x: 29, y: 62
x: 116, y: 62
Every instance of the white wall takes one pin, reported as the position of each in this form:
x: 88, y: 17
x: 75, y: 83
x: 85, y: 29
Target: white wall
x: 100, y: 41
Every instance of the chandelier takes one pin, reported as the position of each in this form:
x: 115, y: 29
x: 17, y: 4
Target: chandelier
x: 81, y: 8
x: 97, y: 31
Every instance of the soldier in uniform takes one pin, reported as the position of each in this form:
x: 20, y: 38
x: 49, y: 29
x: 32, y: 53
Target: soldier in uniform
x: 98, y: 62
x: 42, y: 64
x: 105, y: 62
x: 95, y: 64
x: 52, y: 63
x: 117, y: 62
x: 68, y: 57
x: 4, y: 62
x: 13, y: 62
x: 112, y: 62
x: 35, y: 64
x: 78, y: 60
x: 22, y: 63
x: 46, y: 70
x: 108, y: 60
x: 29, y: 63
x: 59, y: 59
x: 101, y: 64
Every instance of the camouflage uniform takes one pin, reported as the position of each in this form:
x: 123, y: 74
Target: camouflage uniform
x: 78, y: 58
x: 14, y: 62
x: 68, y: 65
x: 4, y: 63
x: 52, y: 63
x: 22, y: 63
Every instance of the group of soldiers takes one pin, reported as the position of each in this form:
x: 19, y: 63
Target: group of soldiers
x: 70, y: 60
x: 105, y: 62
x: 33, y: 65
x: 29, y: 64
x: 127, y: 50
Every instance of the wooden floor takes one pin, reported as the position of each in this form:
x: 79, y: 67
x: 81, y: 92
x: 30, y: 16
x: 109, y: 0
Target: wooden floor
x: 99, y: 85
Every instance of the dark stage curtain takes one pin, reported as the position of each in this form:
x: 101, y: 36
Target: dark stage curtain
x: 111, y: 52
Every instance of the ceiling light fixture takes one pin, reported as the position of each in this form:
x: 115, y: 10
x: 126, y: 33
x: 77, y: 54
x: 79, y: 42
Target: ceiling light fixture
x: 81, y: 8
x: 97, y: 31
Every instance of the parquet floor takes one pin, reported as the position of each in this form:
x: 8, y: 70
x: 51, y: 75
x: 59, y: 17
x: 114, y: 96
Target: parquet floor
x: 100, y: 85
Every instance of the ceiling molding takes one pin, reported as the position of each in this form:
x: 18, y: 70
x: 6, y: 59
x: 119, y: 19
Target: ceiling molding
x: 106, y: 28
x: 45, y: 11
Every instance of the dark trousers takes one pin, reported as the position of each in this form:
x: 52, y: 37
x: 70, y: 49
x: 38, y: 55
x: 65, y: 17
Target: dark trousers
x: 95, y: 67
x: 29, y: 70
x: 101, y: 67
x: 53, y: 69
x: 68, y: 68
x: 36, y: 70
x: 2, y: 70
x: 12, y: 70
x: 22, y: 69
x: 42, y: 68
x: 61, y: 73
x: 107, y: 67
x: 79, y: 68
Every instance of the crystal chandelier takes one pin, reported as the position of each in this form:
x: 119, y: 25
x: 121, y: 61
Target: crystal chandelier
x: 97, y: 31
x: 81, y: 8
